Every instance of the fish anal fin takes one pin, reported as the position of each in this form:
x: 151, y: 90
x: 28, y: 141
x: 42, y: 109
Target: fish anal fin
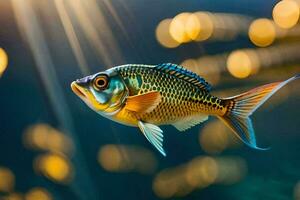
x: 189, y: 121
x: 153, y: 134
x: 143, y: 103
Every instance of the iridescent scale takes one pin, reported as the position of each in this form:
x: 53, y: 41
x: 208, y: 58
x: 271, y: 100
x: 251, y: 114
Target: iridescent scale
x: 183, y: 92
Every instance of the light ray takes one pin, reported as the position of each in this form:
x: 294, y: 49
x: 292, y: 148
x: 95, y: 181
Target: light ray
x: 115, y: 15
x: 29, y: 26
x: 90, y: 31
x: 104, y: 31
x: 70, y: 32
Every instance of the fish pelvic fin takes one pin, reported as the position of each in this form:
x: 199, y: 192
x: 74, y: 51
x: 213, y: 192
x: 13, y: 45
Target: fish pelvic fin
x: 154, y: 135
x: 240, y: 107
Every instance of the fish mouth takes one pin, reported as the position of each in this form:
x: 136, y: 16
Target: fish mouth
x: 78, y: 90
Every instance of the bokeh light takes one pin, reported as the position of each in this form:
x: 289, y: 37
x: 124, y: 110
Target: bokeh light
x: 262, y: 32
x: 38, y: 194
x: 124, y: 158
x: 222, y: 26
x: 243, y: 63
x: 231, y: 169
x: 202, y: 172
x: 286, y: 13
x: 3, y: 61
x: 177, y: 28
x: 55, y: 167
x: 44, y: 137
x: 199, y: 173
x: 110, y: 158
x: 163, y: 35
x: 7, y: 180
x: 169, y: 181
x: 215, y: 137
x: 192, y: 26
x: 199, y: 26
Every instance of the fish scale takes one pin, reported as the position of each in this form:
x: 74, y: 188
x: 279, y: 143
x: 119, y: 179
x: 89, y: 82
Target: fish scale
x: 180, y: 98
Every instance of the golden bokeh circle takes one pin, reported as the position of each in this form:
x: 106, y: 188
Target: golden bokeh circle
x: 110, y: 158
x: 3, y: 61
x: 199, y: 26
x: 177, y: 28
x: 262, y: 32
x: 163, y: 35
x: 7, y: 180
x: 286, y: 13
x: 38, y: 194
x: 242, y: 63
x: 55, y: 167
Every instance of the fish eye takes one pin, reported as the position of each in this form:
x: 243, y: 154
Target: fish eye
x: 100, y: 82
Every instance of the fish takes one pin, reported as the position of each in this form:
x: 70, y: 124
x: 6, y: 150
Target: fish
x: 148, y: 96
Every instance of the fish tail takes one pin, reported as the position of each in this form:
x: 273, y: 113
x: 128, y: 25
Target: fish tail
x: 240, y: 107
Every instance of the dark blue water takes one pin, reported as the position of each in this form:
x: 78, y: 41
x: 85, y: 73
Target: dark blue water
x: 24, y: 101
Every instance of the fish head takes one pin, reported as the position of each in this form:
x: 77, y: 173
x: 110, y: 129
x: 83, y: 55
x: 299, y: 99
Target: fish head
x: 104, y: 92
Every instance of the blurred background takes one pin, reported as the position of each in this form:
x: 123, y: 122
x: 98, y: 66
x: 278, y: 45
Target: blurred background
x: 52, y: 146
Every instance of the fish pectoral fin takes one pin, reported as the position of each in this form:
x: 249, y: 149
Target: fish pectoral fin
x: 189, y: 121
x: 143, y: 103
x: 154, y: 135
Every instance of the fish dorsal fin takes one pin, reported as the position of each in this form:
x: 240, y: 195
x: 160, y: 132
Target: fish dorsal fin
x: 189, y: 121
x: 143, y: 103
x: 154, y: 135
x: 184, y: 74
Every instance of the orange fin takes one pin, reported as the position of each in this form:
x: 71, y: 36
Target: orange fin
x: 240, y: 108
x: 143, y: 103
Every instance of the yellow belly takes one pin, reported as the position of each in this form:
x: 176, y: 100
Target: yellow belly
x: 165, y: 113
x: 125, y: 117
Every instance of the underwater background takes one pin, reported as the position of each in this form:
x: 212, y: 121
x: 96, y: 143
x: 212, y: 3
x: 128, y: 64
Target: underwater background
x: 52, y: 146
